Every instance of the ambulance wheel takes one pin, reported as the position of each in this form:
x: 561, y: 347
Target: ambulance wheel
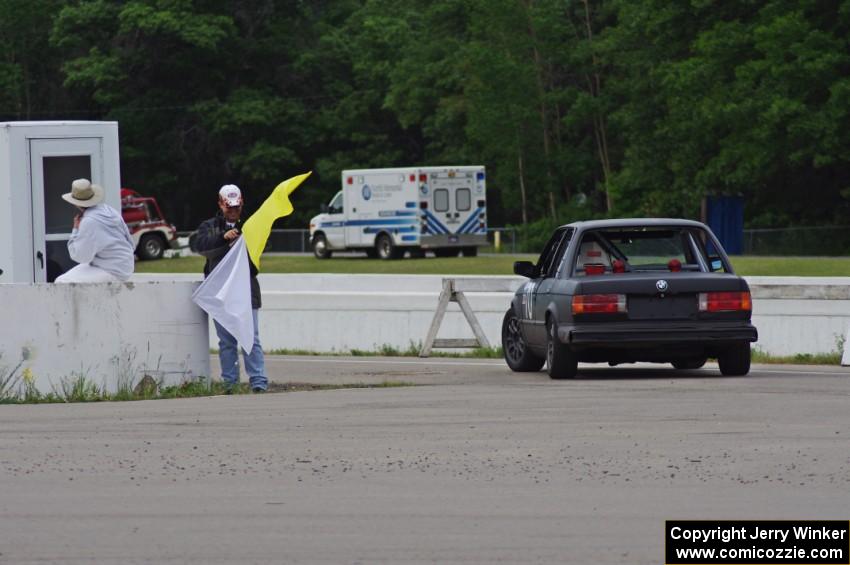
x: 320, y: 247
x: 151, y: 247
x: 386, y: 249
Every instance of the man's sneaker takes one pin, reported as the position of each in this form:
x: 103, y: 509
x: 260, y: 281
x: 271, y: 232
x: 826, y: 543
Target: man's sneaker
x: 258, y: 390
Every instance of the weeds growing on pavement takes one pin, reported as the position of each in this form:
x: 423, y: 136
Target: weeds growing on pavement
x: 9, y: 381
x: 831, y: 358
x: 20, y: 389
x: 386, y: 350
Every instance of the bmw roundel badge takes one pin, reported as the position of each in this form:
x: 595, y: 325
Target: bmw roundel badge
x: 661, y: 285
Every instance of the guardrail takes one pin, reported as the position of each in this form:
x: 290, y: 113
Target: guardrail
x: 336, y: 312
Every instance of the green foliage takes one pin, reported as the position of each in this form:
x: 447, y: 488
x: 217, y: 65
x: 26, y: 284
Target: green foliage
x: 77, y: 388
x: 644, y: 107
x: 9, y: 380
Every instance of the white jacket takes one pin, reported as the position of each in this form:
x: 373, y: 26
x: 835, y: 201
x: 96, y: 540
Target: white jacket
x: 103, y: 241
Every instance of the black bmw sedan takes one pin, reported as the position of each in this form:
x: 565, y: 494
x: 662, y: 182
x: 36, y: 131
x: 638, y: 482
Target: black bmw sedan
x: 623, y: 291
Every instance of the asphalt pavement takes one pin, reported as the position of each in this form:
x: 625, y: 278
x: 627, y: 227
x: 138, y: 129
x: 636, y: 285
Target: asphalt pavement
x: 474, y: 464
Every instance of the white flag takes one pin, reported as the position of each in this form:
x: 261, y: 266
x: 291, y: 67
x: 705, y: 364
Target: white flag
x: 226, y: 295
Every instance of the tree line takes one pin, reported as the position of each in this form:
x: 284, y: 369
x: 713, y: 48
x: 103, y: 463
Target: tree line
x: 578, y: 108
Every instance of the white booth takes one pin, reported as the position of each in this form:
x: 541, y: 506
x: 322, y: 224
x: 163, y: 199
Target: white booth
x: 111, y: 333
x: 38, y: 162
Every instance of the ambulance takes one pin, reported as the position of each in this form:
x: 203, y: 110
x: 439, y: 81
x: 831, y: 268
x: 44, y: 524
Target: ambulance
x: 388, y: 212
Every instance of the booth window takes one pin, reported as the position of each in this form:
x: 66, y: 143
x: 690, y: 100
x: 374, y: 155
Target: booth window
x: 58, y: 174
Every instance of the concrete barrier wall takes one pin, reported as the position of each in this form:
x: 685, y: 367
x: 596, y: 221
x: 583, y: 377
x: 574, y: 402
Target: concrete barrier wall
x: 112, y: 333
x: 330, y: 312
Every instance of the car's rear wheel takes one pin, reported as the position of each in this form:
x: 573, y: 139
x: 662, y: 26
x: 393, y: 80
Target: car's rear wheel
x: 151, y: 247
x: 689, y: 363
x: 320, y: 247
x: 735, y: 360
x: 517, y: 355
x: 560, y: 361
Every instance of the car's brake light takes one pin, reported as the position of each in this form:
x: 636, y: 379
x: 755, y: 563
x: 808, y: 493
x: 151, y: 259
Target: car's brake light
x: 725, y: 301
x: 599, y: 303
x: 594, y: 269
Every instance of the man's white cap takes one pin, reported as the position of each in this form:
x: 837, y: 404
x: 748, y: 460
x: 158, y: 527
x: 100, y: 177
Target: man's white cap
x: 230, y: 195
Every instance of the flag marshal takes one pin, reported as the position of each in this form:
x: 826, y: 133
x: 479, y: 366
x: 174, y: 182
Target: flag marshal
x: 226, y: 295
x: 257, y: 228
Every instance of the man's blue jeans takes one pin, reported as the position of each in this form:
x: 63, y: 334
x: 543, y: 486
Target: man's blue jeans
x: 228, y: 354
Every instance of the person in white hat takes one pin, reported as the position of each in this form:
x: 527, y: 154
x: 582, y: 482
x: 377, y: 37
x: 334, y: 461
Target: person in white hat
x: 100, y: 241
x: 213, y: 239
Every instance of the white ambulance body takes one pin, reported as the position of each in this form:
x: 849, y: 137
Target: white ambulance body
x: 386, y: 212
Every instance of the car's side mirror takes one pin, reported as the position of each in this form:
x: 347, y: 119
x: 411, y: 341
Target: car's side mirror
x: 525, y: 269
x: 323, y: 208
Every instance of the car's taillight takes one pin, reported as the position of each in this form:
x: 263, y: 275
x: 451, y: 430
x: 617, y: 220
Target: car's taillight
x: 599, y: 303
x: 725, y: 301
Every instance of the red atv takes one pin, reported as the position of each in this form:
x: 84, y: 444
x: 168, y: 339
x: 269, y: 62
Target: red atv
x: 152, y: 235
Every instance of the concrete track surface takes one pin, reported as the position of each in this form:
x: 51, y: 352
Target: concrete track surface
x: 477, y: 465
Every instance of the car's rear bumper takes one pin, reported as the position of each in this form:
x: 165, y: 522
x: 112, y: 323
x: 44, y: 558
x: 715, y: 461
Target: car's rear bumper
x: 629, y: 334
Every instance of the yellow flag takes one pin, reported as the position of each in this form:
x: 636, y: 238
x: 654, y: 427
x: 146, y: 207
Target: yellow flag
x: 257, y: 228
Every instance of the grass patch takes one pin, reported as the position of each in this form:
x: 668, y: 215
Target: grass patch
x: 390, y: 351
x: 792, y: 266
x: 489, y: 265
x: 78, y: 388
x: 486, y: 265
x: 833, y: 358
x: 299, y: 387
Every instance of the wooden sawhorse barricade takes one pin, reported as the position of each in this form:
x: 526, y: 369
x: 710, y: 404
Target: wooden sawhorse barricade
x: 454, y: 290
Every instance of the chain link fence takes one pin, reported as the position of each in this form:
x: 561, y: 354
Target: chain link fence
x: 831, y: 241
x: 500, y: 240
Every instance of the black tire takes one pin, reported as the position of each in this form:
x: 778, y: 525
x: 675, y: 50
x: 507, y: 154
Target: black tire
x: 320, y: 247
x: 470, y: 252
x: 517, y: 355
x: 684, y: 364
x: 735, y: 360
x: 386, y: 249
x: 151, y: 247
x: 561, y: 363
x: 371, y: 253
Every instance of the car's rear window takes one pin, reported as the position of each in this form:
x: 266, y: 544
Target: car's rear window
x: 646, y: 249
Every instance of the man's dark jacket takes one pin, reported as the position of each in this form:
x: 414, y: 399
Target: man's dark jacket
x: 209, y: 241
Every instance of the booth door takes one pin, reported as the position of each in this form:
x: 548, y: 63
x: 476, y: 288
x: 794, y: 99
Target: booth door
x: 54, y: 164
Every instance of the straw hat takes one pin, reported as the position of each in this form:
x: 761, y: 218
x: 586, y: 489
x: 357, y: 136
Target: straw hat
x: 84, y: 194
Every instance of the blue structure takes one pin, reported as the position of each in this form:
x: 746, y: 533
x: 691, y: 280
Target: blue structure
x: 725, y: 217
